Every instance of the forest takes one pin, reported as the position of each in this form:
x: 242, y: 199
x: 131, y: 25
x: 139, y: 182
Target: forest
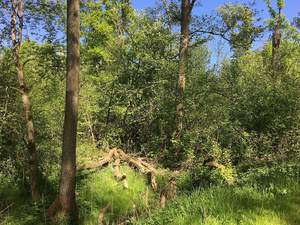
x: 112, y: 115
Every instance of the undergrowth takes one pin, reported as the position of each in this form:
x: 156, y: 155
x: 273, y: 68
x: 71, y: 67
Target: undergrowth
x: 260, y: 196
x: 98, y: 189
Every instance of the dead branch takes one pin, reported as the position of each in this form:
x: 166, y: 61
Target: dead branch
x: 146, y: 198
x: 162, y: 201
x: 118, y: 174
x: 133, y: 162
x: 142, y: 166
x: 102, y: 213
x: 153, y: 182
x: 98, y: 164
x: 6, y: 208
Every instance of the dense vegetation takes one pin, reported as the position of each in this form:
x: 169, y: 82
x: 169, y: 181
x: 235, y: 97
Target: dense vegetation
x: 240, y: 111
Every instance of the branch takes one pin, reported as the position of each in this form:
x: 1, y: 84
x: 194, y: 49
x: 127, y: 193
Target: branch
x: 16, y: 89
x: 192, y: 5
x: 6, y: 208
x: 36, y: 81
x: 18, y: 133
x: 212, y: 33
x: 222, y: 35
x: 6, y: 101
x: 26, y: 61
x: 102, y: 213
x: 22, y: 159
x: 8, y: 12
x: 97, y: 164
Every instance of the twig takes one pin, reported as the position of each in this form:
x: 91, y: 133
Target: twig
x: 102, y: 213
x: 6, y: 208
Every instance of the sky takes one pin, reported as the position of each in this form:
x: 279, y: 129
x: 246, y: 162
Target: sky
x: 292, y: 7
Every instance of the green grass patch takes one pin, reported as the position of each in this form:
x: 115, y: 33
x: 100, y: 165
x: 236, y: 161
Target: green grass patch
x: 263, y: 196
x: 99, y: 188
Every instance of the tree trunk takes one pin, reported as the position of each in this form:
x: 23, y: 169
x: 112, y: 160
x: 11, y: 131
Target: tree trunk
x: 276, y: 38
x: 184, y: 41
x: 16, y: 35
x: 68, y: 167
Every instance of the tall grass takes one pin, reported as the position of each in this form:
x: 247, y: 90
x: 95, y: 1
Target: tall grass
x: 98, y: 189
x: 263, y: 196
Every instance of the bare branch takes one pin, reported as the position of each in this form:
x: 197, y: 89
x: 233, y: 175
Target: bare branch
x: 6, y: 208
x: 18, y: 133
x: 192, y: 5
x: 26, y: 61
x: 16, y: 89
x: 222, y: 35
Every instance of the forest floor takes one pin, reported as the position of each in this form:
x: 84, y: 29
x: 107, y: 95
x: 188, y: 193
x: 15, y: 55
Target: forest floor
x: 262, y: 196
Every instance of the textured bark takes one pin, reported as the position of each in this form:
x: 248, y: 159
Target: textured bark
x: 16, y: 35
x: 184, y: 41
x: 68, y: 167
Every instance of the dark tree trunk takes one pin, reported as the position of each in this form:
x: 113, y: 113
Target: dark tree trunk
x: 68, y: 167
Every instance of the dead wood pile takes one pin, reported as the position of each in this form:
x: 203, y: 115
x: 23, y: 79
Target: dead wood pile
x: 116, y: 155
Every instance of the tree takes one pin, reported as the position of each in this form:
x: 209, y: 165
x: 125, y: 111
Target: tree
x: 186, y: 8
x: 275, y: 24
x: 68, y: 167
x: 237, y: 26
x: 16, y: 13
x: 296, y: 21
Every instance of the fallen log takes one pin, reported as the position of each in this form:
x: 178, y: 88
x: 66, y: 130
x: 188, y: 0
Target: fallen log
x: 98, y: 164
x: 118, y: 174
x: 133, y: 162
x: 143, y: 167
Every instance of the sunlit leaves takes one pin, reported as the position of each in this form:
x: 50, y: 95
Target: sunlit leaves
x: 239, y: 23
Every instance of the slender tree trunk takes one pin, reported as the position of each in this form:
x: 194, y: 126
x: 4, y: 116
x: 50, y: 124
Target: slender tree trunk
x: 68, y: 167
x: 276, y: 38
x: 183, y: 55
x: 16, y: 34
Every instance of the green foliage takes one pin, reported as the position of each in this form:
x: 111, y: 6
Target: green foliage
x: 235, y: 109
x: 239, y: 19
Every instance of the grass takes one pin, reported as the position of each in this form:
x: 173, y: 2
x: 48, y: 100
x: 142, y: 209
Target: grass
x: 229, y: 205
x: 267, y: 196
x: 98, y: 189
x: 262, y: 196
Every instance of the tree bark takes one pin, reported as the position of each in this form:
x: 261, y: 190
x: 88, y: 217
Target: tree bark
x: 68, y: 168
x: 183, y: 55
x: 16, y: 37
